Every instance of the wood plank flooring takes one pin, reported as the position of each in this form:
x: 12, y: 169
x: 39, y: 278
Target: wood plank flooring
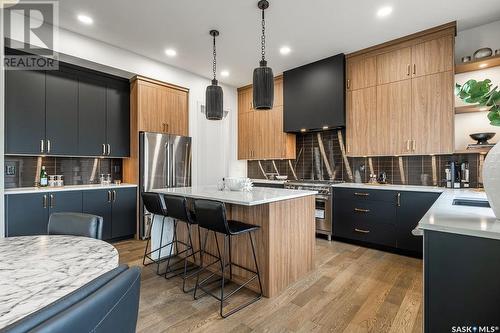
x: 352, y: 289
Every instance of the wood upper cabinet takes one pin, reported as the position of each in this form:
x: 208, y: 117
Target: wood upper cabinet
x: 433, y: 56
x: 394, y: 118
x: 361, y: 73
x: 260, y: 133
x: 394, y: 66
x: 433, y: 114
x: 362, y: 122
x: 410, y: 110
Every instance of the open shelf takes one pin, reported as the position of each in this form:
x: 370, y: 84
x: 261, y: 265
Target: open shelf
x: 470, y: 108
x: 477, y: 64
x: 473, y: 151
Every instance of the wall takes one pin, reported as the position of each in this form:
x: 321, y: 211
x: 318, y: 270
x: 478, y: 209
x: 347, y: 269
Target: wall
x: 468, y: 41
x: 406, y: 170
x: 214, y: 143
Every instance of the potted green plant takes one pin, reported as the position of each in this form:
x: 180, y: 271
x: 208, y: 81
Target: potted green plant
x: 487, y: 96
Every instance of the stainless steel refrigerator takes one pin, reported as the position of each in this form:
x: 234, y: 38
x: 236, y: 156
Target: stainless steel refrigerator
x: 164, y: 161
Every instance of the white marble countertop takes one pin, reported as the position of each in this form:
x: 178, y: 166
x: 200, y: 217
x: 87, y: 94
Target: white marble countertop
x: 269, y: 181
x: 37, y: 270
x: 391, y: 187
x: 258, y: 195
x: 464, y: 220
x: 22, y: 190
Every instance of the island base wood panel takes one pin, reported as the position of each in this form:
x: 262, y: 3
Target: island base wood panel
x: 285, y: 243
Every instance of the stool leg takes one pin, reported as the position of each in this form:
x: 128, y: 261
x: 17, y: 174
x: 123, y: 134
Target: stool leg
x: 255, y: 261
x: 223, y: 264
x: 186, y: 261
x: 230, y: 261
x: 202, y: 252
x: 161, y: 243
x: 218, y: 249
x: 147, y: 243
x: 174, y: 238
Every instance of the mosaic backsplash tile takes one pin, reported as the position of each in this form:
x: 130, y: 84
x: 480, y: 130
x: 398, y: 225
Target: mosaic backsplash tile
x: 22, y: 171
x: 408, y: 170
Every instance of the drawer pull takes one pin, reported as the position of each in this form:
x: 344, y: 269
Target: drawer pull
x: 361, y: 194
x: 362, y: 231
x: 361, y: 210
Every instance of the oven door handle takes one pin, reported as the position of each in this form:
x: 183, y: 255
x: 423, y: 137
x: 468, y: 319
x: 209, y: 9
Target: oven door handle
x: 323, y: 198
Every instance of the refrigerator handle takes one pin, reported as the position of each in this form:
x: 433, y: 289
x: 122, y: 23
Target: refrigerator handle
x: 174, y: 180
x: 168, y: 164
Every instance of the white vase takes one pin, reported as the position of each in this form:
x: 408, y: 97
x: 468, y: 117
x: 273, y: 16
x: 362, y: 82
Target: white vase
x: 491, y: 178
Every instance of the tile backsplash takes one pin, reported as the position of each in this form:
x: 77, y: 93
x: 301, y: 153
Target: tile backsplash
x: 409, y: 170
x: 22, y: 171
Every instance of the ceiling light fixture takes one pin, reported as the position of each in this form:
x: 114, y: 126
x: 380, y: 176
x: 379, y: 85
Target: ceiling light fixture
x: 284, y: 50
x: 171, y: 52
x: 224, y: 73
x: 263, y: 77
x: 85, y: 19
x: 213, y: 94
x: 384, y: 11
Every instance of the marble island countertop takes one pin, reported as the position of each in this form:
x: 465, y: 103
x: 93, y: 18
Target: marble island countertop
x: 258, y: 195
x: 22, y: 190
x: 444, y: 216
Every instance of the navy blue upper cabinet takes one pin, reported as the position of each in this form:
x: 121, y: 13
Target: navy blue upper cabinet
x: 314, y: 95
x: 118, y: 119
x: 91, y: 117
x: 61, y: 113
x: 24, y: 111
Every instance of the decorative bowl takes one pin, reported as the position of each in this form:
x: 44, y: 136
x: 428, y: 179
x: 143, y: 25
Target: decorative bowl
x: 482, y: 138
x: 235, y: 183
x: 485, y: 52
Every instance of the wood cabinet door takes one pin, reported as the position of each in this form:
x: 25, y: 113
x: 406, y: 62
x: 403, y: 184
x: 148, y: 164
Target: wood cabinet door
x: 245, y: 123
x: 394, y: 66
x: 433, y: 56
x: 24, y: 111
x: 245, y: 100
x: 61, y: 111
x: 362, y: 122
x: 91, y: 117
x: 433, y: 114
x: 148, y: 101
x: 176, y: 112
x: 278, y: 92
x: 361, y: 73
x: 394, y: 118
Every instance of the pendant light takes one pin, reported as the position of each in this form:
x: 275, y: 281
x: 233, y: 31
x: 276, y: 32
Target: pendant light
x: 213, y: 95
x: 263, y: 78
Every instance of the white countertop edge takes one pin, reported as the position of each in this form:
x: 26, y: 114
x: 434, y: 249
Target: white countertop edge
x: 268, y: 181
x: 460, y: 231
x: 228, y: 200
x: 392, y: 187
x: 24, y: 190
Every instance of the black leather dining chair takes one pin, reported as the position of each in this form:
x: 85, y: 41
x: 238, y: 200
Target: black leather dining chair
x: 75, y: 224
x: 109, y: 303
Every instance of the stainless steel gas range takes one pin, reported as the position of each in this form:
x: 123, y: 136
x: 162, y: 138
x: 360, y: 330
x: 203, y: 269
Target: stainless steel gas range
x: 324, y: 202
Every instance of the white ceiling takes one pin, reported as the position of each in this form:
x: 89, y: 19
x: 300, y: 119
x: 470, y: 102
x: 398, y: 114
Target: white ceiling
x: 314, y: 29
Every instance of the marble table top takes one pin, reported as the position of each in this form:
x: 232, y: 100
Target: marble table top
x: 37, y: 270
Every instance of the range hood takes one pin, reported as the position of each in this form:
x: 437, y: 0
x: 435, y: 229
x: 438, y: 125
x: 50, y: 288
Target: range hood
x: 314, y: 96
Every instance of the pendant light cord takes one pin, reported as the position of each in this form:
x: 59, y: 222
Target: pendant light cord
x: 214, y: 65
x: 263, y: 38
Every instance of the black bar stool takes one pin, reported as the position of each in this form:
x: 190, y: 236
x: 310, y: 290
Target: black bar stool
x: 211, y: 215
x: 178, y: 210
x: 155, y: 205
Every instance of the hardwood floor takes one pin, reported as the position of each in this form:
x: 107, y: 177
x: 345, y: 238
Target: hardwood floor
x: 352, y: 289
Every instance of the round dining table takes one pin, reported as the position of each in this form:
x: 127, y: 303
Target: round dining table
x: 38, y: 270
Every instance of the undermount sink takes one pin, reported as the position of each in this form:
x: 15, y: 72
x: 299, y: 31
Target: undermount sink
x: 471, y: 202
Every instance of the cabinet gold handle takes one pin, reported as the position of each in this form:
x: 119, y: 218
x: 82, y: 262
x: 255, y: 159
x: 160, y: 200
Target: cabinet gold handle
x: 407, y: 145
x: 104, y: 149
x: 408, y: 70
x: 109, y: 196
x: 42, y: 146
x: 399, y: 199
x: 52, y: 201
x: 361, y: 210
x: 348, y: 84
x: 113, y: 197
x: 48, y: 146
x: 362, y: 231
x: 414, y: 69
x: 361, y: 194
x: 109, y: 148
x: 44, y: 202
x: 414, y: 145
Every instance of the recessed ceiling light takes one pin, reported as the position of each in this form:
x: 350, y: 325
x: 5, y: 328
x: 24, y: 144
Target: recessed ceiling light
x: 224, y: 73
x: 384, y: 11
x: 171, y: 52
x: 285, y: 50
x: 85, y: 19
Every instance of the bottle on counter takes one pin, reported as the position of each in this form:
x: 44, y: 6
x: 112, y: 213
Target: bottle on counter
x: 44, y: 179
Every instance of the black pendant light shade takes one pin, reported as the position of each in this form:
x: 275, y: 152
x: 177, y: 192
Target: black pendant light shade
x: 213, y: 94
x: 263, y: 78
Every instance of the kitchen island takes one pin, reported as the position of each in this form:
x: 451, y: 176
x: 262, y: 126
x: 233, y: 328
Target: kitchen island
x: 285, y: 242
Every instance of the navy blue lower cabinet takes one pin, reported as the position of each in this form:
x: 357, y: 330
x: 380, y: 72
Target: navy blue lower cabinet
x: 98, y: 202
x: 124, y: 212
x: 67, y: 201
x: 461, y: 287
x: 412, y: 207
x: 26, y: 214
